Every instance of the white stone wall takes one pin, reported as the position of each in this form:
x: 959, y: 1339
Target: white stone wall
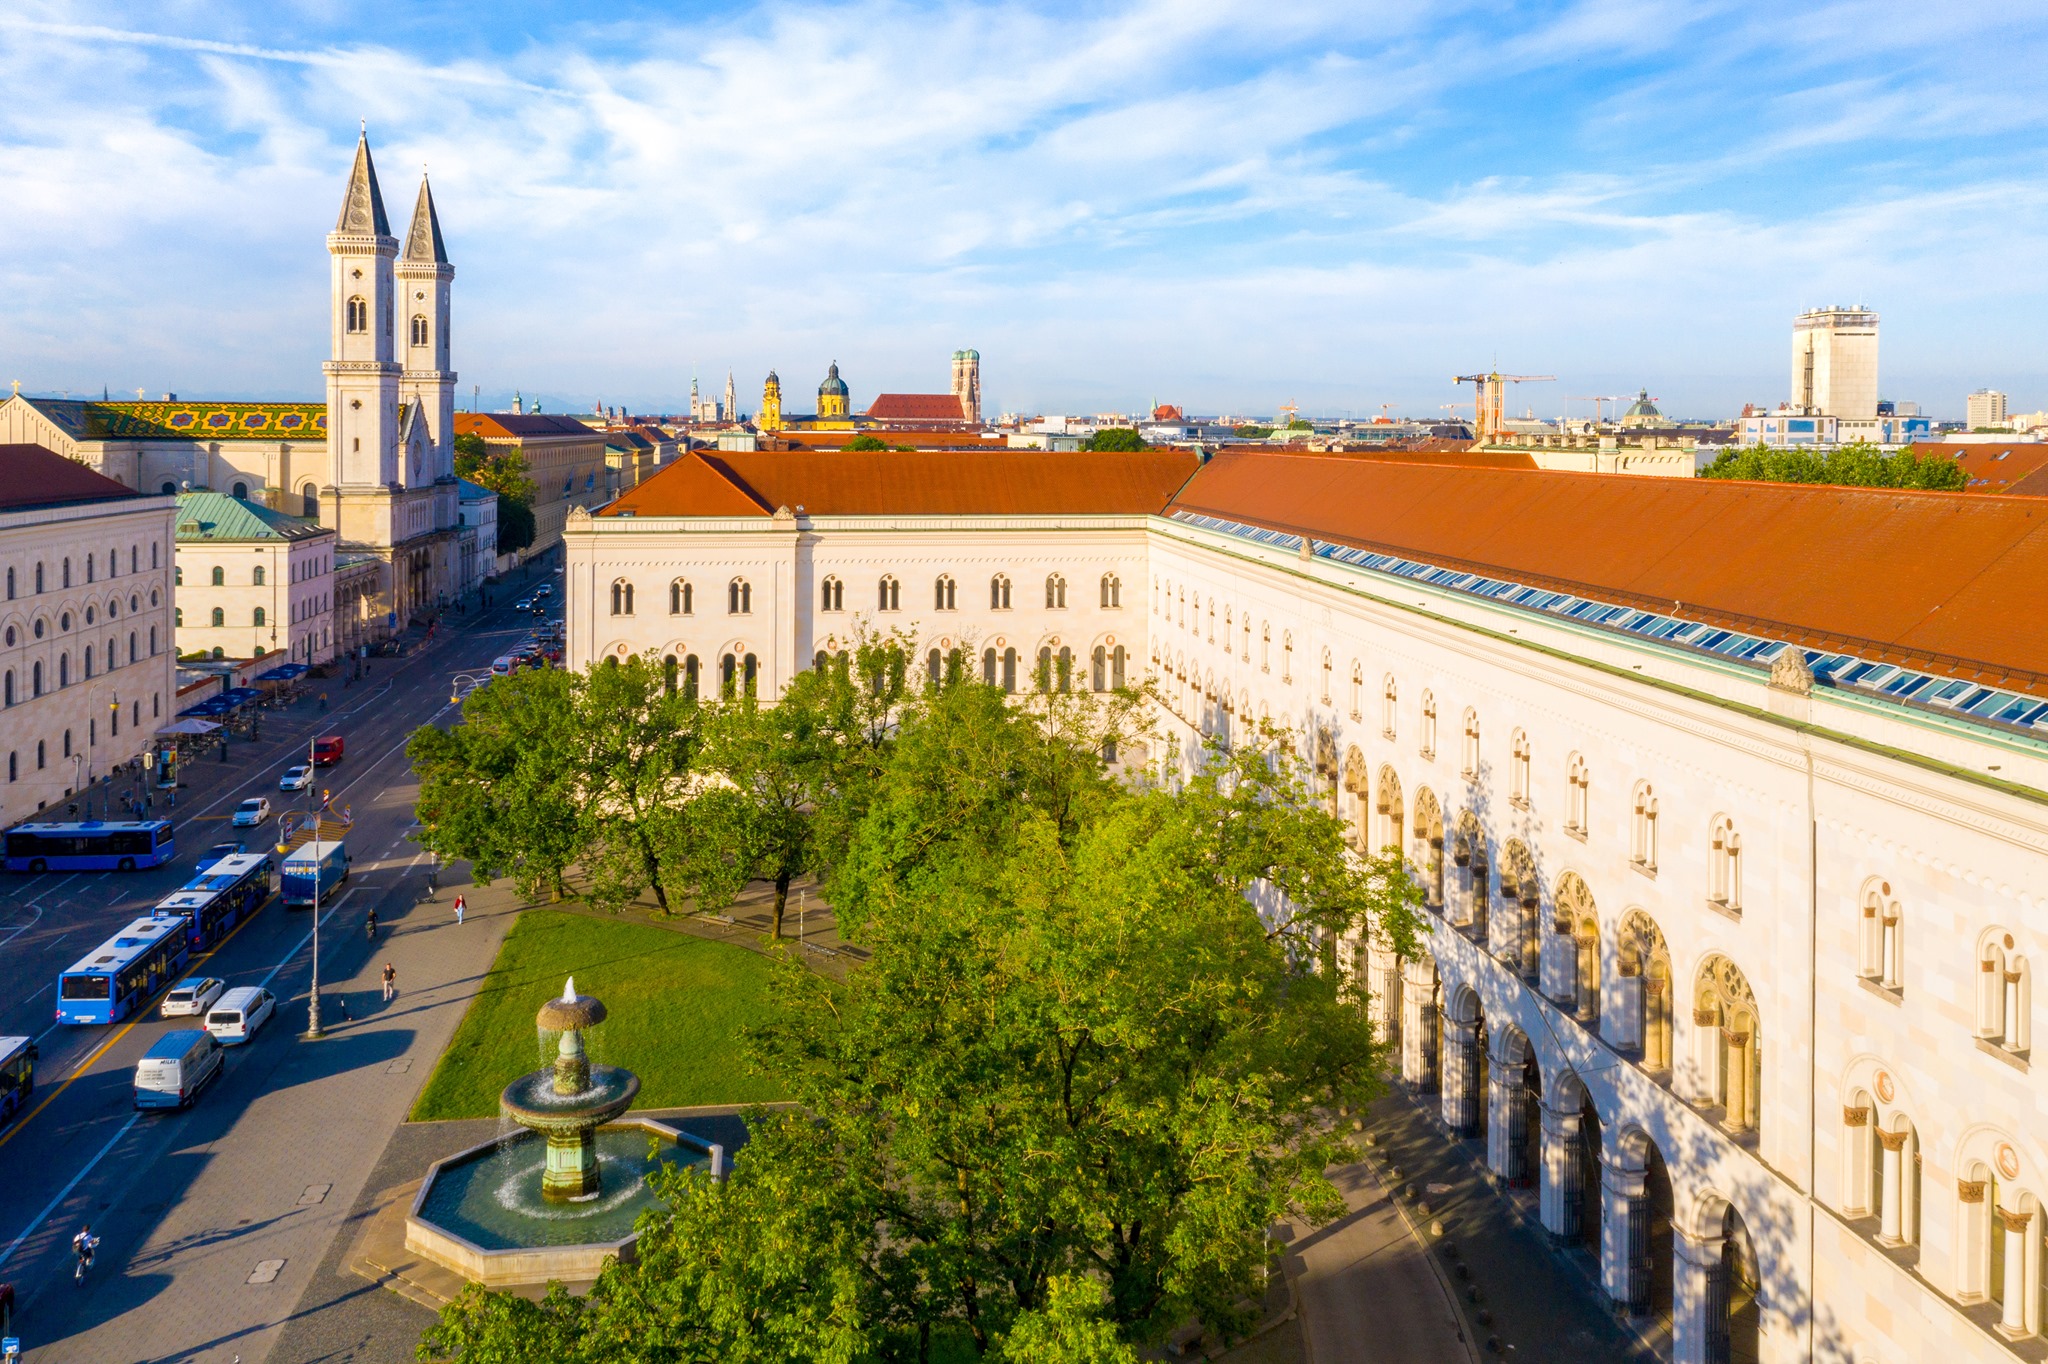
x: 98, y: 610
x: 1831, y: 796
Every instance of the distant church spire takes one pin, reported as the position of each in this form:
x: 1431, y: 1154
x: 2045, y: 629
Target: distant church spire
x: 362, y: 209
x: 423, y: 242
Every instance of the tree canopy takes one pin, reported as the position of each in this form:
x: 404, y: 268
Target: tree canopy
x: 504, y: 473
x: 1086, y: 1064
x: 1115, y: 438
x: 1860, y: 464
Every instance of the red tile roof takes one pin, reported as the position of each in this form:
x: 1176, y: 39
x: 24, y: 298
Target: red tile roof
x: 1992, y: 468
x: 916, y: 407
x: 912, y: 483
x: 32, y: 476
x: 1938, y: 580
x: 515, y: 425
x: 1427, y: 451
x: 923, y: 438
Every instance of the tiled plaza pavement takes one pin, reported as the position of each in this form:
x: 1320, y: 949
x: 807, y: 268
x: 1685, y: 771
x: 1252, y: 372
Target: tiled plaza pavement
x: 1523, y: 1298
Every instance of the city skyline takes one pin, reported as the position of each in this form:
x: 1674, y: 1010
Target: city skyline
x: 1211, y: 206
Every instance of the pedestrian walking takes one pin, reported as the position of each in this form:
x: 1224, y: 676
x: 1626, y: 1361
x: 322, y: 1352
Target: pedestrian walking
x: 460, y: 905
x: 390, y: 982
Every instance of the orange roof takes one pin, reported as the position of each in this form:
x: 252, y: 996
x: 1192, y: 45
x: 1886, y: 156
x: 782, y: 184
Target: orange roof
x: 519, y: 425
x: 917, y: 407
x: 924, y: 438
x: 1426, y: 451
x: 1935, y: 580
x: 912, y: 483
x: 1992, y: 468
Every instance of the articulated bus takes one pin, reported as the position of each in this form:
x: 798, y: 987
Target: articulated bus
x: 95, y: 845
x: 117, y: 978
x: 220, y: 897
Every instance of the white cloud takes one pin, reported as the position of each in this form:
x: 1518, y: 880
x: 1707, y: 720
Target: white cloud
x: 1223, y: 203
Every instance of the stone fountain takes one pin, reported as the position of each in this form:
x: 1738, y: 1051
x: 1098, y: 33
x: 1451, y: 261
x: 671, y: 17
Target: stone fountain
x: 503, y: 1215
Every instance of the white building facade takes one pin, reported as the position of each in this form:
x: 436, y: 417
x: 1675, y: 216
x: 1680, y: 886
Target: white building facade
x: 87, y: 668
x: 253, y: 582
x: 1730, y: 946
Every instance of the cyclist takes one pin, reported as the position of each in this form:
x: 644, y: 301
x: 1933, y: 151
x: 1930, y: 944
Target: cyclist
x: 82, y: 1246
x: 371, y: 926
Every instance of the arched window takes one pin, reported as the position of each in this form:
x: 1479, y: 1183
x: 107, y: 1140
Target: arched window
x: 1098, y: 669
x: 889, y: 593
x: 1880, y: 938
x: 1390, y: 698
x: 1287, y: 657
x: 309, y: 502
x: 1329, y: 666
x: 999, y: 593
x: 1643, y: 839
x: 1357, y: 690
x: 679, y: 603
x: 220, y: 576
x: 240, y: 492
x: 259, y: 575
x: 1265, y: 646
x: 988, y: 667
x: 832, y: 595
x: 693, y: 669
x: 220, y: 617
x: 1112, y: 592
x: 1724, y: 865
x: 1578, y: 785
x: 67, y: 573
x: 1117, y: 658
x: 358, y: 313
x: 1055, y: 592
x: 668, y: 673
x: 1468, y: 762
x: 152, y: 641
x: 1644, y: 967
x: 64, y: 668
x: 131, y: 646
x: 42, y: 754
x: 10, y: 584
x: 1429, y: 725
x: 39, y: 579
x: 10, y: 687
x: 419, y: 338
x: 1518, y: 769
x: 1727, y: 1043
x: 622, y: 597
x: 1246, y: 653
x: 739, y: 597
x: 259, y: 616
x: 2005, y: 993
x: 1009, y: 670
x: 944, y: 592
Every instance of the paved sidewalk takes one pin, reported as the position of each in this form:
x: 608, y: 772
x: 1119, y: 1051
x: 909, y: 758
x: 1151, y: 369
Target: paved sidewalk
x: 1541, y: 1303
x: 1368, y: 1292
x: 265, y: 1195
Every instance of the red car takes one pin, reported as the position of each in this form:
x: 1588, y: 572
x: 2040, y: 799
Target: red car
x: 327, y: 750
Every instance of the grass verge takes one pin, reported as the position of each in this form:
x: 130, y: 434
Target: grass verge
x: 675, y: 1006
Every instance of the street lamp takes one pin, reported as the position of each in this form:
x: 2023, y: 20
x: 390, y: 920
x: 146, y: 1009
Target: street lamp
x: 313, y: 1030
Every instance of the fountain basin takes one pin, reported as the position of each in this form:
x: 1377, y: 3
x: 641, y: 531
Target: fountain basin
x: 481, y: 1212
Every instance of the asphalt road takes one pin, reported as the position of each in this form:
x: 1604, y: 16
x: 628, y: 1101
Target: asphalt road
x: 151, y: 1185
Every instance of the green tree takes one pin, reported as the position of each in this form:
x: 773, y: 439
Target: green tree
x: 867, y: 443
x: 1115, y: 438
x: 1069, y: 1329
x: 1251, y: 432
x: 1300, y: 424
x: 1858, y: 464
x: 633, y: 773
x: 504, y: 472
x: 499, y: 789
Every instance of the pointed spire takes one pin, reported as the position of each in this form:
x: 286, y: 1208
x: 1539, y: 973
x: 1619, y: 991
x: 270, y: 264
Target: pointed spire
x: 362, y: 210
x: 423, y: 242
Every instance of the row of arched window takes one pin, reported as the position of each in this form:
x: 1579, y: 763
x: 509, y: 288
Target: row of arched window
x: 35, y: 680
x: 12, y: 635
x: 37, y: 578
x: 888, y: 594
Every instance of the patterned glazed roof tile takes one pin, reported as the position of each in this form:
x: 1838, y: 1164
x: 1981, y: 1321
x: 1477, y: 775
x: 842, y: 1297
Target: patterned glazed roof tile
x: 203, y: 421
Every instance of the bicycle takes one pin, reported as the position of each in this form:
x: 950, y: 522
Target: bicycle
x: 83, y: 1245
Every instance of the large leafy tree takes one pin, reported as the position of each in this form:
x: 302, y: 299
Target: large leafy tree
x: 1858, y: 464
x: 637, y: 747
x: 504, y: 472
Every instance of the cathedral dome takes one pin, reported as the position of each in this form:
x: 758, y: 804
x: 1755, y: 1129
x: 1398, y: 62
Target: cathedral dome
x: 834, y: 386
x: 1642, y: 409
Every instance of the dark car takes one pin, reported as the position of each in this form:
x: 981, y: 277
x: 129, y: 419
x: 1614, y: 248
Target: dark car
x: 220, y: 850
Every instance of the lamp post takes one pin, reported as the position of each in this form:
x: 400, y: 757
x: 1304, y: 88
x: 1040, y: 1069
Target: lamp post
x: 313, y: 1030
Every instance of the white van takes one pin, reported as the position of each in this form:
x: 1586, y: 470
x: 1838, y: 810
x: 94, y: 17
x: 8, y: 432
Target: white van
x: 503, y: 665
x: 176, y: 1067
x: 240, y: 1014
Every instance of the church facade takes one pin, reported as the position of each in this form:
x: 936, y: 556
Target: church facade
x: 374, y: 463
x: 1729, y: 802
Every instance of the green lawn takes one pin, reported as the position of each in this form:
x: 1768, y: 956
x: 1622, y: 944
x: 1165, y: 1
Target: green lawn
x: 676, y: 1005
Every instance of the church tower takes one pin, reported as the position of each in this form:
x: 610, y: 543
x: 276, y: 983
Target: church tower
x: 967, y: 383
x: 363, y: 375
x: 424, y: 282
x: 770, y: 418
x: 732, y: 405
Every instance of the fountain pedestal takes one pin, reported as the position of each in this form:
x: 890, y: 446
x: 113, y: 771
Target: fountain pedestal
x: 571, y: 1171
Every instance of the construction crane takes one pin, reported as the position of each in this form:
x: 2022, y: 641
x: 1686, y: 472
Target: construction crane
x: 1491, y: 388
x: 1596, y: 400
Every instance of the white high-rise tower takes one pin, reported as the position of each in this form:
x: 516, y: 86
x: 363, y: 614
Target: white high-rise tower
x: 363, y: 375
x: 1834, y: 363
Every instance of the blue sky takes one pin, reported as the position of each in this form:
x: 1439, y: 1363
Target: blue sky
x: 1225, y: 205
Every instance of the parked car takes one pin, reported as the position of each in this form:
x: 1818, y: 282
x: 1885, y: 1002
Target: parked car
x: 228, y: 848
x: 240, y: 1014
x: 176, y: 1067
x: 251, y: 813
x: 192, y: 995
x: 296, y: 778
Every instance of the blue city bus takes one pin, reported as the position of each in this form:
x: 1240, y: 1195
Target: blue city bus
x: 220, y: 897
x: 95, y: 845
x: 18, y: 1057
x: 120, y: 976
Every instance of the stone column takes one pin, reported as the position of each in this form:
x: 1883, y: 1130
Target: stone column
x: 2013, y: 1227
x: 1371, y: 972
x: 1559, y: 1197
x: 1625, y: 1237
x: 1973, y: 1273
x: 1460, y: 1104
x: 1706, y: 1055
x: 1557, y: 977
x: 1891, y: 1220
x: 1507, y: 1124
x: 1737, y: 1118
x: 2011, y: 1012
x: 1699, y: 1299
x: 1656, y: 1023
